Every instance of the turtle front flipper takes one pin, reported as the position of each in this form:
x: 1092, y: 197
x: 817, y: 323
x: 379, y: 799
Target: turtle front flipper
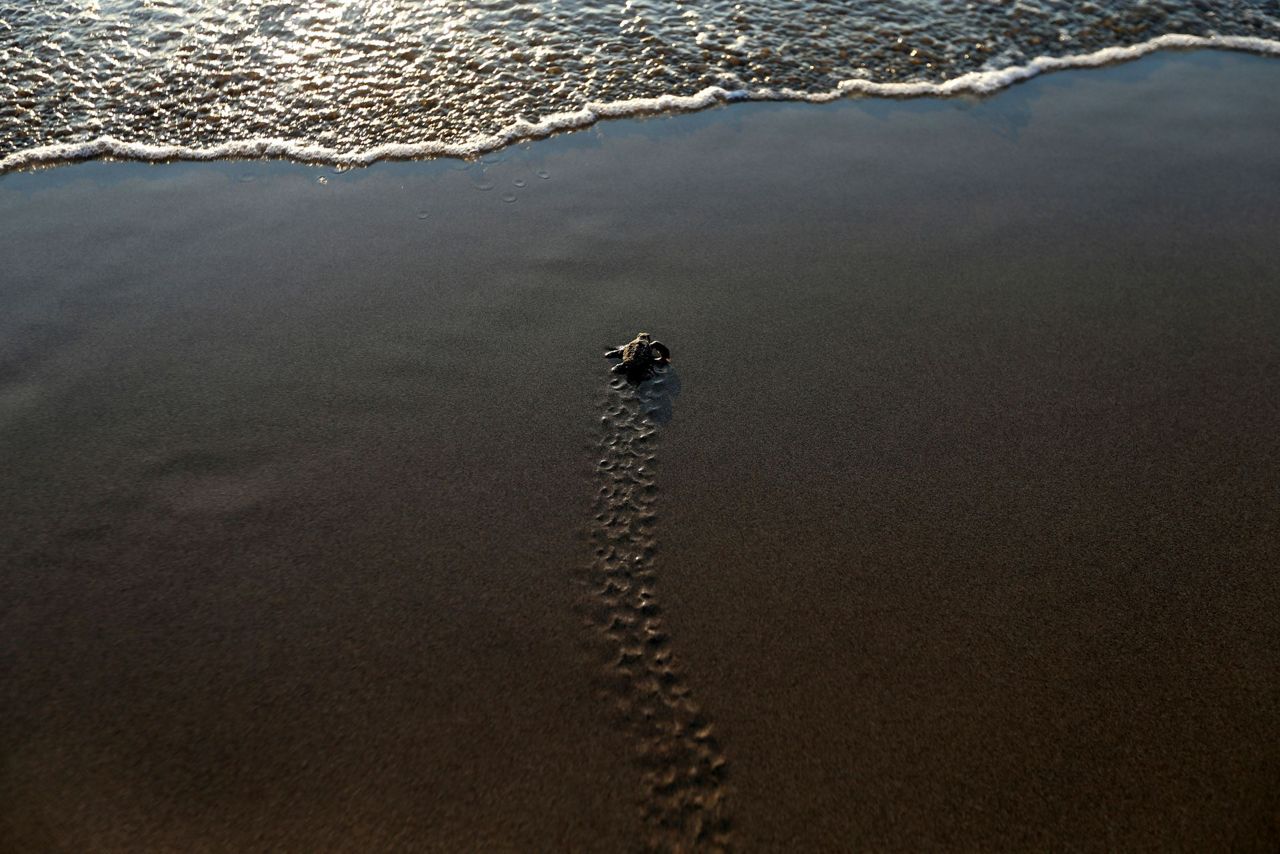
x: 615, y: 353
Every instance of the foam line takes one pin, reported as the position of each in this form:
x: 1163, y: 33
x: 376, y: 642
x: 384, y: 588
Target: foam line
x: 975, y: 82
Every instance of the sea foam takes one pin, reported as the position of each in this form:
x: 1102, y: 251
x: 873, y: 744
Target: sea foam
x: 973, y: 83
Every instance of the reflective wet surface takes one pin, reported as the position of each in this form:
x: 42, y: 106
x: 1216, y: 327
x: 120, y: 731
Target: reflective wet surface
x: 348, y: 76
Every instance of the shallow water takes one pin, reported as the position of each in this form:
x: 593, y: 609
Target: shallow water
x: 350, y: 77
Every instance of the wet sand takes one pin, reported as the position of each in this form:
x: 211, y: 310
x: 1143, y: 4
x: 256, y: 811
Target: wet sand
x: 965, y: 510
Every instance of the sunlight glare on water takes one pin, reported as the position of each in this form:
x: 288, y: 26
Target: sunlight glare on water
x: 353, y: 75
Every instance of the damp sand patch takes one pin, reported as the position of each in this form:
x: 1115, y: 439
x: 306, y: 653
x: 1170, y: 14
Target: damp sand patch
x: 964, y: 518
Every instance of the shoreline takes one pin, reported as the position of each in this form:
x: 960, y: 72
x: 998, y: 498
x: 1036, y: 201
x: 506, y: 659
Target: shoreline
x: 980, y: 83
x: 963, y: 503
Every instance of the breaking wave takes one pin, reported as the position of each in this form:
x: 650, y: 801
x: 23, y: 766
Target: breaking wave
x: 973, y: 83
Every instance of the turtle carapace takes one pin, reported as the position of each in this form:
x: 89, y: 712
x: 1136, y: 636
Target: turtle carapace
x: 639, y: 355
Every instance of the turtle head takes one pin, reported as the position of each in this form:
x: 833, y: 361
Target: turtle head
x: 661, y: 353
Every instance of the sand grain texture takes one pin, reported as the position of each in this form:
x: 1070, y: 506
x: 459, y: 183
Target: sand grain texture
x: 966, y: 512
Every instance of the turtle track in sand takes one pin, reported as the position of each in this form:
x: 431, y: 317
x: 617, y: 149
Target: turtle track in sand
x: 683, y: 797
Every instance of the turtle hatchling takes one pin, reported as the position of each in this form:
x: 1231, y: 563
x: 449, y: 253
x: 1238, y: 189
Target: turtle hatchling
x: 639, y: 355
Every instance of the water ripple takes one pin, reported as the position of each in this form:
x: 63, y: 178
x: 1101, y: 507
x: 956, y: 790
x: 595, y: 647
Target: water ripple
x: 347, y: 78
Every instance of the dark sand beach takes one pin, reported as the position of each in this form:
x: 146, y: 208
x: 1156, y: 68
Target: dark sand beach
x: 966, y: 531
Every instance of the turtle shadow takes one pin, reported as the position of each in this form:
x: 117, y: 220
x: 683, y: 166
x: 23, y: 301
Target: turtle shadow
x: 657, y: 391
